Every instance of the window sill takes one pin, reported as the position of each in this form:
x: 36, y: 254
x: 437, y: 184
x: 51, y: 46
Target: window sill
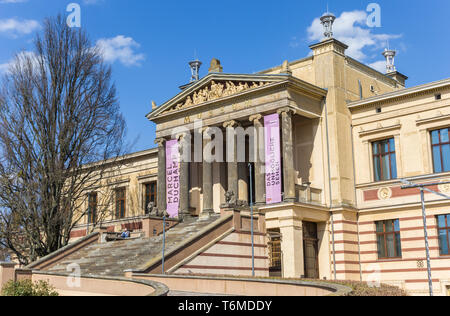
x: 389, y: 259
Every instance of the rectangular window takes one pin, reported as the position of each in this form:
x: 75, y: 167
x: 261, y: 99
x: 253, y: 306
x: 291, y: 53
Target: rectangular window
x: 150, y: 195
x: 441, y: 150
x: 444, y: 232
x: 120, y: 203
x: 384, y: 160
x: 388, y: 239
x: 92, y: 211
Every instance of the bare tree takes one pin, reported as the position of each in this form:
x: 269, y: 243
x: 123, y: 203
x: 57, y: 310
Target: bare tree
x: 60, y: 127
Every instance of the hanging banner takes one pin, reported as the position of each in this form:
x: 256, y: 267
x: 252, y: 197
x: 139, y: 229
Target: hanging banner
x: 172, y: 178
x: 273, y: 158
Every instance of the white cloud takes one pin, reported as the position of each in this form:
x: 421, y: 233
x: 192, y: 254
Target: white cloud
x: 15, y: 27
x: 351, y: 28
x: 21, y: 57
x: 13, y: 1
x: 122, y: 49
x: 379, y: 65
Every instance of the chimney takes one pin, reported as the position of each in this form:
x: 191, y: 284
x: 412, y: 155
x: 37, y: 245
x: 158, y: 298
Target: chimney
x: 215, y: 66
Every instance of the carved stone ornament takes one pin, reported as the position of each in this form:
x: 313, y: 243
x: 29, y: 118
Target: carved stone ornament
x: 384, y: 193
x: 214, y: 91
x: 444, y: 188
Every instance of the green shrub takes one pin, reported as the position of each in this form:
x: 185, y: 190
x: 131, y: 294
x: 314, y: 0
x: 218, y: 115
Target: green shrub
x: 28, y: 288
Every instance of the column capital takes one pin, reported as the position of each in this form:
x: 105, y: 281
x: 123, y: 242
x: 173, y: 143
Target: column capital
x: 181, y: 136
x: 206, y: 131
x: 160, y: 141
x: 230, y: 124
x: 286, y: 110
x: 256, y: 118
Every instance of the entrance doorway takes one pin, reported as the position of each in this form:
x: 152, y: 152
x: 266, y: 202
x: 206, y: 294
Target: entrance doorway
x: 311, y: 250
x: 275, y: 254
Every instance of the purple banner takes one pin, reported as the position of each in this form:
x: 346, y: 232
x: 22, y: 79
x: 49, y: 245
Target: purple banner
x: 172, y: 178
x: 273, y: 158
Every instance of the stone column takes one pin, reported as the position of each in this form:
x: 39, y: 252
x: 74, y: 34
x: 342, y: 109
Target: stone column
x: 287, y: 150
x: 184, y: 141
x: 161, y: 186
x: 208, y: 201
x: 233, y: 186
x: 243, y: 183
x: 260, y: 174
x: 292, y: 248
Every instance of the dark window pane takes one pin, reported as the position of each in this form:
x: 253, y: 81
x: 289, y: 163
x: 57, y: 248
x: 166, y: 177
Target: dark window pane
x: 399, y: 245
x: 435, y: 137
x: 384, y: 160
x: 385, y: 168
x: 397, y: 225
x: 446, y: 157
x: 437, y: 159
x: 443, y: 242
x: 375, y: 148
x: 390, y: 245
x: 392, y: 144
x: 444, y: 136
x: 384, y: 147
x: 389, y: 239
x: 441, y: 221
x: 377, y: 168
x: 389, y: 226
x: 381, y: 247
x: 380, y: 227
x: 393, y: 166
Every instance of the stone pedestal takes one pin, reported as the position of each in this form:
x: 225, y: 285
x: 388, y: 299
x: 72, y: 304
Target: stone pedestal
x: 6, y: 273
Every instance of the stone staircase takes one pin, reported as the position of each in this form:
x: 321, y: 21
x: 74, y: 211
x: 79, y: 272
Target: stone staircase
x: 113, y: 258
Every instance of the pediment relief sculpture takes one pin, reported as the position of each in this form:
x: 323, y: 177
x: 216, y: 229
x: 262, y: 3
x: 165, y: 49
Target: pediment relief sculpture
x: 214, y: 91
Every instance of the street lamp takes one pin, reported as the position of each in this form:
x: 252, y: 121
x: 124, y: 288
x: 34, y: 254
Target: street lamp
x: 423, y: 188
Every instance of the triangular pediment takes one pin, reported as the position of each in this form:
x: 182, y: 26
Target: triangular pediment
x: 214, y: 87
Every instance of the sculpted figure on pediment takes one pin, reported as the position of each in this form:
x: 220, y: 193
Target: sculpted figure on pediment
x: 230, y: 89
x: 215, y: 91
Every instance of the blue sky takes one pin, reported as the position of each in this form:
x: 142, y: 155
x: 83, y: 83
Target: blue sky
x: 149, y: 43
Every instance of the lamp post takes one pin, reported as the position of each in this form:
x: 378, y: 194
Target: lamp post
x: 423, y: 188
x: 164, y: 243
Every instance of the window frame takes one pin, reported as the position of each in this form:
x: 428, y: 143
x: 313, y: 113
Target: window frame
x: 148, y: 195
x: 440, y: 145
x: 92, y: 215
x: 380, y: 157
x: 447, y: 229
x: 118, y: 213
x: 384, y: 235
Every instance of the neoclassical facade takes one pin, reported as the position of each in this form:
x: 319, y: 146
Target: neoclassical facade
x: 348, y: 135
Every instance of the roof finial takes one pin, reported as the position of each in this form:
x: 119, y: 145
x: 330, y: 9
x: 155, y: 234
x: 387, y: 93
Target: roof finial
x: 390, y: 54
x: 195, y: 69
x: 327, y: 21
